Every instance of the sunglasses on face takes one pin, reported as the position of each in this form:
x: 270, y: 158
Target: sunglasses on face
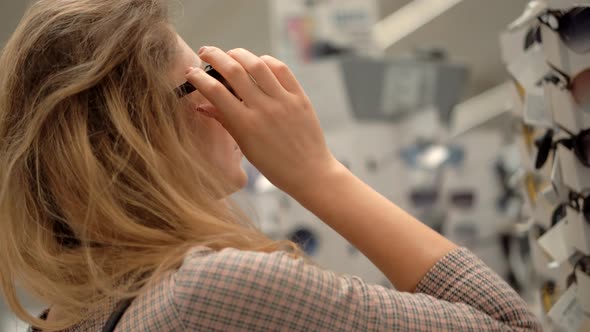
x: 188, y: 88
x: 573, y: 27
x: 580, y: 144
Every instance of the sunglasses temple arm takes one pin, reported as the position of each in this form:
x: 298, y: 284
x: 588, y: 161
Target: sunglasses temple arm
x: 566, y: 130
x: 185, y: 89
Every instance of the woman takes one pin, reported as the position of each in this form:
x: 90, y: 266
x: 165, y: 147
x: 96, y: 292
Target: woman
x: 112, y: 187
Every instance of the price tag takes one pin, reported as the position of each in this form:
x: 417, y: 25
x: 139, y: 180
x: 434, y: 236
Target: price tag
x: 530, y: 67
x: 557, y: 180
x: 553, y: 243
x: 577, y: 231
x: 567, y: 312
x: 536, y: 111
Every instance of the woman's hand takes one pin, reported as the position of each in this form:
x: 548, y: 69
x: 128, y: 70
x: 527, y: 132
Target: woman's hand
x: 275, y: 124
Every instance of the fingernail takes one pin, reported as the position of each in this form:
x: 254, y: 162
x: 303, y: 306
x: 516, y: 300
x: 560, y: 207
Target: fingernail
x: 202, y: 50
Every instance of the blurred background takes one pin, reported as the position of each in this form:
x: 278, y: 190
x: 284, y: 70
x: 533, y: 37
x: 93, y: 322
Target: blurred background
x: 414, y: 97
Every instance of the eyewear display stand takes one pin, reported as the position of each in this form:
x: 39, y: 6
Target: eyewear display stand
x: 555, y: 148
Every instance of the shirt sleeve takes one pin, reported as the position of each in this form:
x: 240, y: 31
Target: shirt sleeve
x: 233, y: 290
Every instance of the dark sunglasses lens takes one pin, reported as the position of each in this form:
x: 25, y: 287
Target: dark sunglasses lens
x: 581, y: 89
x: 188, y: 88
x: 574, y: 28
x: 185, y: 89
x: 571, y: 279
x: 423, y: 198
x: 533, y: 37
x: 559, y: 213
x: 463, y: 200
x: 584, y: 264
x: 582, y: 147
x: 586, y: 209
x: 543, y: 148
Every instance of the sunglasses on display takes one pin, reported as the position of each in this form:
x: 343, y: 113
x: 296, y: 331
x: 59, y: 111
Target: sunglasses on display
x: 560, y: 211
x: 426, y: 197
x: 579, y: 144
x: 509, y: 193
x: 188, y: 88
x: 573, y: 27
x: 579, y: 86
x: 463, y: 199
x: 582, y: 264
x: 580, y: 203
x: 558, y: 214
x: 533, y: 37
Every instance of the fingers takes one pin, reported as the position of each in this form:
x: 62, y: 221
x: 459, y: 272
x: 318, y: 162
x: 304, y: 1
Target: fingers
x: 216, y: 93
x: 233, y: 72
x: 283, y: 74
x: 259, y: 70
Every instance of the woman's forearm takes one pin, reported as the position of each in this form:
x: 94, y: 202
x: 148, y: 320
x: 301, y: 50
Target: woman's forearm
x: 403, y: 248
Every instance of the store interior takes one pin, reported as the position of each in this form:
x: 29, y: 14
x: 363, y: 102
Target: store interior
x: 472, y: 115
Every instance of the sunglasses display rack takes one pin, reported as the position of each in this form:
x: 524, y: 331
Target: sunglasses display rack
x: 547, y: 53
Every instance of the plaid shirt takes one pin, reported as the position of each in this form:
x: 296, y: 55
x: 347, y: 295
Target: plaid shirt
x: 233, y: 290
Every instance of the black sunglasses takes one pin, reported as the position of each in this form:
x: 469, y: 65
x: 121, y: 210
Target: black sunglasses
x: 578, y: 86
x: 533, y: 37
x: 580, y: 203
x: 581, y: 263
x: 188, y: 88
x: 579, y: 143
x: 558, y: 214
x: 573, y: 27
x: 463, y: 199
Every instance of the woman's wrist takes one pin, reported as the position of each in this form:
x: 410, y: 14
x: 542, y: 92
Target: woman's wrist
x: 317, y: 179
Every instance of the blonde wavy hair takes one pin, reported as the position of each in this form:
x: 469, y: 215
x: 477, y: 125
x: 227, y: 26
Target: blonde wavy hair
x: 102, y: 187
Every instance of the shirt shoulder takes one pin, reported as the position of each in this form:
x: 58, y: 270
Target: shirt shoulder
x: 236, y: 290
x: 244, y: 290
